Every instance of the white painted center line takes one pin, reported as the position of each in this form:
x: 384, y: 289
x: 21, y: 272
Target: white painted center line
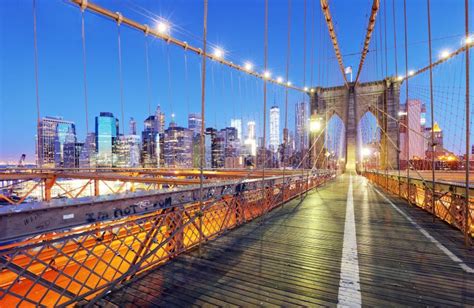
x: 443, y: 248
x: 349, y: 284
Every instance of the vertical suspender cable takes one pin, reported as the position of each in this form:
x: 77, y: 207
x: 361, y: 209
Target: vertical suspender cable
x: 312, y: 42
x: 304, y: 135
x: 396, y: 74
x: 385, y: 34
x: 286, y: 133
x: 433, y: 146
x: 386, y: 161
x: 320, y: 48
x: 407, y: 141
x: 186, y: 79
x: 395, y: 38
x: 148, y: 88
x: 265, y: 104
x: 203, y: 118
x: 84, y: 68
x: 147, y: 66
x: 381, y: 53
x: 468, y: 135
x: 169, y: 80
x: 38, y: 116
x: 119, y: 48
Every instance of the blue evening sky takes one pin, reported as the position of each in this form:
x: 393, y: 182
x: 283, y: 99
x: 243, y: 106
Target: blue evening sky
x: 235, y: 25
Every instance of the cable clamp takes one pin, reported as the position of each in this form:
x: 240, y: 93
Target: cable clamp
x: 84, y: 4
x: 119, y: 18
x: 147, y: 29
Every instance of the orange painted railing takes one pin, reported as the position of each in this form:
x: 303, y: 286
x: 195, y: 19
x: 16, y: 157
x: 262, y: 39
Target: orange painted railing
x: 68, y: 266
x: 449, y: 199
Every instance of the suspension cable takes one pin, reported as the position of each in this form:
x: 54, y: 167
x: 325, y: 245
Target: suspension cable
x: 285, y: 131
x: 265, y: 56
x: 147, y: 68
x: 119, y: 49
x: 84, y: 69
x: 186, y: 80
x: 332, y: 35
x: 407, y: 141
x: 203, y: 109
x: 171, y: 40
x: 35, y: 43
x: 385, y: 34
x: 467, y: 224
x: 370, y: 28
x: 395, y: 38
x: 433, y: 146
x: 312, y: 41
x: 305, y: 159
x: 170, y: 92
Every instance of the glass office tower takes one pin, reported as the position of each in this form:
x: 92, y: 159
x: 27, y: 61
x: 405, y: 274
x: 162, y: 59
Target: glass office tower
x: 106, y: 132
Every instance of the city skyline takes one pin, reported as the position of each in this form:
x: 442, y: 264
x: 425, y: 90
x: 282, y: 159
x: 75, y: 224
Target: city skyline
x: 159, y: 143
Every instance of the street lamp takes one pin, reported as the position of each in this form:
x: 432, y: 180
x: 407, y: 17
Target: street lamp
x: 218, y: 53
x: 163, y: 27
x: 314, y: 124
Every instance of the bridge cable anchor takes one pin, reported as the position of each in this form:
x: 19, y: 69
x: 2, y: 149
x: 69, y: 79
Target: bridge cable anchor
x: 84, y: 4
x: 119, y: 18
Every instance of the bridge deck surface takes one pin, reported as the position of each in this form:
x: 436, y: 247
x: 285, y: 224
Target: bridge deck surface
x: 294, y: 259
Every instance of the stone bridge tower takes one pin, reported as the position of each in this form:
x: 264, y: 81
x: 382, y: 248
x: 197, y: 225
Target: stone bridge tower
x: 350, y: 103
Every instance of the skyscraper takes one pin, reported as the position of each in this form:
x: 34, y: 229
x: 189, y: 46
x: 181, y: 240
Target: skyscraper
x: 413, y: 112
x: 159, y: 124
x: 126, y: 151
x: 65, y: 134
x: 237, y: 124
x: 178, y: 147
x: 132, y: 126
x: 301, y: 126
x: 106, y: 132
x: 251, y: 142
x: 88, y: 155
x: 53, y: 133
x: 194, y: 123
x: 150, y: 154
x: 251, y: 130
x: 274, y: 128
x: 72, y: 151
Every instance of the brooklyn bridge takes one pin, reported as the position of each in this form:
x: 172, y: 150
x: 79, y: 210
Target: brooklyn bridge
x: 344, y: 181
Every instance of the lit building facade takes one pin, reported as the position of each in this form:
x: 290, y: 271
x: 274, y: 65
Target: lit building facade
x: 237, y: 124
x: 88, y: 155
x: 413, y: 113
x: 274, y: 128
x: 178, y: 147
x: 126, y: 152
x: 72, y: 152
x: 132, y: 126
x: 106, y: 132
x: 301, y: 126
x: 250, y: 143
x: 159, y: 120
x: 150, y: 146
x: 52, y: 134
x: 194, y: 123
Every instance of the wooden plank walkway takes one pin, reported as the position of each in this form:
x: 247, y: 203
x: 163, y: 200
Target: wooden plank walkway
x: 294, y: 259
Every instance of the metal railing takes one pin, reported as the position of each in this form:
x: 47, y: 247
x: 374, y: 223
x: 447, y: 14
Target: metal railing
x: 450, y: 203
x: 84, y: 261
